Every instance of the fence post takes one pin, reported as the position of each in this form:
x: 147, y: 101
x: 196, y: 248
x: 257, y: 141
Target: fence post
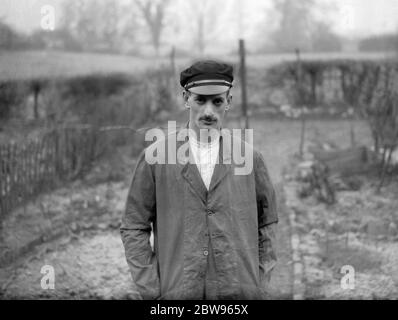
x: 2, y: 193
x: 299, y: 92
x: 242, y: 55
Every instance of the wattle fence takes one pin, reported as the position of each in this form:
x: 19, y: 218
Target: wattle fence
x: 37, y: 165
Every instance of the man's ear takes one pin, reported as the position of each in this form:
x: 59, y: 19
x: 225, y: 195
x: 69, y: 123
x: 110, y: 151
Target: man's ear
x: 185, y: 96
x: 229, y: 99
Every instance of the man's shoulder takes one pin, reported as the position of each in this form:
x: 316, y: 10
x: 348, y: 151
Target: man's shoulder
x: 237, y: 141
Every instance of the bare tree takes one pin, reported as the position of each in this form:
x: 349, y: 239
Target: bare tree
x: 79, y: 18
x: 300, y: 27
x: 204, y: 17
x: 8, y: 37
x: 154, y: 12
x: 110, y: 16
x: 95, y: 23
x: 294, y: 26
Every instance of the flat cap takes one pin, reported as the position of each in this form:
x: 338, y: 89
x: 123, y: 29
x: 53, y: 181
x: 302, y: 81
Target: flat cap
x: 207, y: 77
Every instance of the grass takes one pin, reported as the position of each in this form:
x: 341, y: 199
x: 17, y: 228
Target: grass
x: 279, y: 140
x: 52, y: 64
x: 33, y: 64
x: 360, y: 258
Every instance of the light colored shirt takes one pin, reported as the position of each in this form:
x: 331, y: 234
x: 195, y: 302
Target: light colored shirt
x: 205, y: 156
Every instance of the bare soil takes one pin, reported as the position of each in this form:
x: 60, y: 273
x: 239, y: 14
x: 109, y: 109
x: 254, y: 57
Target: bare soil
x: 89, y: 258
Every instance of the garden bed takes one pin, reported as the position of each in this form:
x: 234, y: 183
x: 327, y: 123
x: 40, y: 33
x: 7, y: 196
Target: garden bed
x: 359, y: 230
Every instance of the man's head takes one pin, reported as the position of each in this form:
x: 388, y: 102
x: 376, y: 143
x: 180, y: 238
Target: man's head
x: 207, y: 95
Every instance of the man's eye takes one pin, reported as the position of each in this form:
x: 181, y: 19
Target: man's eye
x: 218, y: 102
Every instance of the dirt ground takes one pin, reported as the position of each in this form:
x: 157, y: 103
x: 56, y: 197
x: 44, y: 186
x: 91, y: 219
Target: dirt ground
x: 89, y: 258
x: 357, y: 234
x: 359, y: 231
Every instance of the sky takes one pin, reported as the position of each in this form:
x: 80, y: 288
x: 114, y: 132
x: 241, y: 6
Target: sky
x: 351, y: 18
x: 367, y: 17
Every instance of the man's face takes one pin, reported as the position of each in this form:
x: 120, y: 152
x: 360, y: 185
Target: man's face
x: 207, y: 111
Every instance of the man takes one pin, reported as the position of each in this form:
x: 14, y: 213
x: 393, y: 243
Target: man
x: 213, y: 228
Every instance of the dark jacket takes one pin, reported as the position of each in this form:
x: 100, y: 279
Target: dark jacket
x: 226, y: 229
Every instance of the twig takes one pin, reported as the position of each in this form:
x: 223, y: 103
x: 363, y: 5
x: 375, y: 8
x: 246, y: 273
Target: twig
x: 384, y: 169
x: 11, y: 279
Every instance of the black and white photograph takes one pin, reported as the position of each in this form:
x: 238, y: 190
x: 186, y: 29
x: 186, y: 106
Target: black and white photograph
x: 199, y: 150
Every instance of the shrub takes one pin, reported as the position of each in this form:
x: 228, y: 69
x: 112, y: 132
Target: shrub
x: 368, y: 88
x: 10, y: 96
x: 96, y: 85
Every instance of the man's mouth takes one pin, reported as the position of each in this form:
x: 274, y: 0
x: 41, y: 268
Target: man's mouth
x: 208, y: 121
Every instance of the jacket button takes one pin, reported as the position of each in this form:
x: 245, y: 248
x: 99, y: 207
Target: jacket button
x: 206, y: 253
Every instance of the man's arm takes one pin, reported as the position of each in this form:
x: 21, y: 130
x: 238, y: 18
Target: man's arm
x: 267, y: 219
x: 136, y: 229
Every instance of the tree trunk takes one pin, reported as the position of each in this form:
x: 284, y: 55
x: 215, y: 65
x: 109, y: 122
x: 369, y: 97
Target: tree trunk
x: 386, y: 164
x: 36, y: 92
x: 302, y: 135
x: 352, y: 133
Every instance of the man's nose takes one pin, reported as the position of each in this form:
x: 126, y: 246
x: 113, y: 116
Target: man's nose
x: 208, y: 109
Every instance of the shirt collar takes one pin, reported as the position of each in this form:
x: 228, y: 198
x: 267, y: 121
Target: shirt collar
x: 199, y: 144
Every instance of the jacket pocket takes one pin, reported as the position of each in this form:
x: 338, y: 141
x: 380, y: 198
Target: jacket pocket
x: 145, y: 276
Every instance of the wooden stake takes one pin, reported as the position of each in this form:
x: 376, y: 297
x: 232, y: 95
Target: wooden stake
x: 299, y: 92
x: 242, y: 55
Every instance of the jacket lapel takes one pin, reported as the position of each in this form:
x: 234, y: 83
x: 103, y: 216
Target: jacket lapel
x: 223, y: 165
x: 190, y: 172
